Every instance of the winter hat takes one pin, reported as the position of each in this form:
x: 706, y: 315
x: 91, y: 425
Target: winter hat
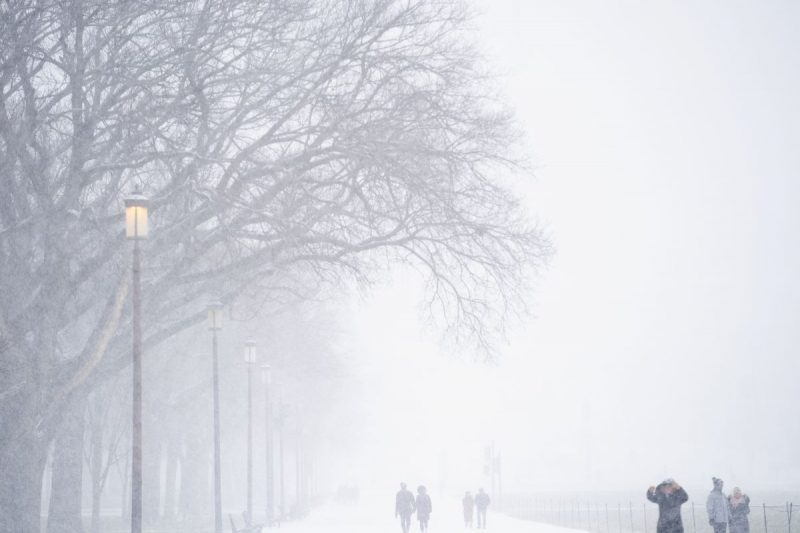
x: 717, y: 482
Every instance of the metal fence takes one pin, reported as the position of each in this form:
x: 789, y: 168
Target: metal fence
x: 639, y: 517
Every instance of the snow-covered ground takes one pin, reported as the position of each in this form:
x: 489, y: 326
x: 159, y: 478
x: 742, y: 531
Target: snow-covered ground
x: 376, y: 515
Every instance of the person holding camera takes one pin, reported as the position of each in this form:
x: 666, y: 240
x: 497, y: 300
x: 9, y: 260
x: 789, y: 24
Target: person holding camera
x: 669, y: 496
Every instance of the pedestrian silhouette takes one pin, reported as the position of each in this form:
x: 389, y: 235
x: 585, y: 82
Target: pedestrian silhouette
x: 669, y: 496
x: 424, y: 508
x: 739, y: 504
x: 482, y: 502
x: 717, y: 507
x: 468, y: 503
x: 404, y: 507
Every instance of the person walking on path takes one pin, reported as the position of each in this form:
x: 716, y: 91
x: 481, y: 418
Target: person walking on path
x: 404, y: 507
x: 468, y: 502
x: 424, y: 508
x: 739, y: 506
x: 482, y: 502
x: 717, y: 507
x: 669, y: 496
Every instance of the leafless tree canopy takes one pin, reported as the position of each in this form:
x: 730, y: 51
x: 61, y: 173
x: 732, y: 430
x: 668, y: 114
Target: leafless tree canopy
x: 277, y: 140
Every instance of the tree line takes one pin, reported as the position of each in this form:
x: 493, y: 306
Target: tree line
x: 286, y: 146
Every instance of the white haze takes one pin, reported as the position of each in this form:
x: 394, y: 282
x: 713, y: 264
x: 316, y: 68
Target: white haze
x: 665, y: 136
x: 663, y: 340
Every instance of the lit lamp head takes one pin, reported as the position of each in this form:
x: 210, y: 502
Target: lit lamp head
x: 136, y: 216
x: 266, y: 374
x: 215, y: 316
x: 250, y: 352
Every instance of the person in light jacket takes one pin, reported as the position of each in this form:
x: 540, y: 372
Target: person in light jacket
x: 739, y: 505
x: 717, y: 508
x: 669, y: 496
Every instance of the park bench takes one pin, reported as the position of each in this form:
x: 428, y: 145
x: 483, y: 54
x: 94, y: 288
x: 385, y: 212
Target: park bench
x: 247, y: 528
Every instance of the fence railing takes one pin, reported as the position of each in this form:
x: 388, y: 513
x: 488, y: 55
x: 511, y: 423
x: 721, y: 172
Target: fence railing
x: 637, y: 517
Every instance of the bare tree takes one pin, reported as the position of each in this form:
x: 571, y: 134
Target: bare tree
x: 107, y: 421
x: 277, y: 140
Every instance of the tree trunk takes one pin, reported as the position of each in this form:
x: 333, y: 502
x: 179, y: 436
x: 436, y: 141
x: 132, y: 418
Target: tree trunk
x: 151, y: 475
x: 196, y: 495
x: 125, y: 482
x: 171, y: 483
x: 65, y: 498
x: 22, y: 462
x: 97, y: 463
x: 23, y: 456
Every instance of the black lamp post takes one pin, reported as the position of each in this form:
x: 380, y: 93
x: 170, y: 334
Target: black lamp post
x: 266, y: 378
x: 214, y: 325
x: 136, y: 229
x: 250, y: 360
x: 282, y: 411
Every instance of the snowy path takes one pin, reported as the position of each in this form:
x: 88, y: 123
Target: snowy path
x: 378, y: 518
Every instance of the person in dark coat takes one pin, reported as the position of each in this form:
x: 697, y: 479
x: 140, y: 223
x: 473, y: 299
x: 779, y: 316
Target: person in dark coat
x: 739, y: 505
x: 404, y: 507
x: 468, y: 503
x: 482, y: 502
x: 424, y: 508
x: 669, y: 496
x: 718, y: 508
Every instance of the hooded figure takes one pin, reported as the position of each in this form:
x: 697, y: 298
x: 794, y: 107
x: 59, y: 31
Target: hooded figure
x: 739, y: 505
x: 717, y: 507
x: 468, y: 503
x: 424, y: 508
x: 669, y: 496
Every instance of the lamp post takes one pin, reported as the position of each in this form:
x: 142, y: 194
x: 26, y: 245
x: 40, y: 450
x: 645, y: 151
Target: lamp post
x: 266, y: 378
x: 214, y: 325
x: 298, y: 463
x: 135, y: 230
x: 281, y: 445
x: 250, y: 359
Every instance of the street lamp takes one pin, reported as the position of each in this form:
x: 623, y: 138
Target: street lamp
x: 266, y: 378
x: 135, y: 230
x: 250, y: 359
x: 214, y: 325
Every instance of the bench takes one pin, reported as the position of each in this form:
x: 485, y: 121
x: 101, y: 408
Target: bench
x: 247, y: 528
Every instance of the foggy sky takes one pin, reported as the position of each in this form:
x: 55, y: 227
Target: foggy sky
x: 665, y: 138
